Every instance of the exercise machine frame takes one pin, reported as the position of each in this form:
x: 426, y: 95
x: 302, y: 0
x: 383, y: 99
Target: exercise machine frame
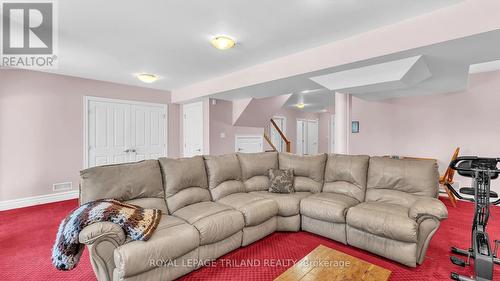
x: 482, y: 171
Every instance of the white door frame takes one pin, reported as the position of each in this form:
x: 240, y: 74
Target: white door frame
x: 87, y: 99
x: 260, y: 137
x: 183, y: 145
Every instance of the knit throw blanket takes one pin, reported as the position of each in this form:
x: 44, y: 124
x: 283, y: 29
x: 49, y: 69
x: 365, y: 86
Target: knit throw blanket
x: 138, y: 223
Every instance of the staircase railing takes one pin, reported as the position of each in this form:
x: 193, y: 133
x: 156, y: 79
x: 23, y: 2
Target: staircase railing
x: 283, y: 138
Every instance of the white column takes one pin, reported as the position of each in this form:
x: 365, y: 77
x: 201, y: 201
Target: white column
x: 342, y: 123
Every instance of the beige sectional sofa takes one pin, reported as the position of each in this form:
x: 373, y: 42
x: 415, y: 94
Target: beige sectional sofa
x: 215, y: 204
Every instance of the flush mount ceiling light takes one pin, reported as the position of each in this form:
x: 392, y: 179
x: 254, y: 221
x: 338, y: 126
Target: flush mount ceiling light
x: 223, y: 42
x: 300, y: 105
x: 147, y: 77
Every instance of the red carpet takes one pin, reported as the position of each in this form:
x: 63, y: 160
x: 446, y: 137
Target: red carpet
x: 26, y: 237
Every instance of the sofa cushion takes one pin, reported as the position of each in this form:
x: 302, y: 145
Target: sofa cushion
x: 308, y: 170
x: 150, y: 203
x: 383, y: 219
x: 325, y: 206
x: 172, y: 238
x: 346, y: 174
x: 122, y: 182
x: 257, y: 183
x: 255, y: 167
x: 213, y: 221
x: 254, y: 208
x: 401, y: 181
x: 288, y: 204
x: 224, y: 175
x: 185, y: 181
x: 281, y: 181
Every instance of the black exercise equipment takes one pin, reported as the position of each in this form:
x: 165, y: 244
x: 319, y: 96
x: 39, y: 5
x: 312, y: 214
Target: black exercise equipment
x: 482, y: 171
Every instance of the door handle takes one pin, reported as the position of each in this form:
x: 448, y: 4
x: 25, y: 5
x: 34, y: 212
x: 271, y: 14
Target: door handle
x: 129, y: 150
x: 126, y: 150
x: 198, y: 150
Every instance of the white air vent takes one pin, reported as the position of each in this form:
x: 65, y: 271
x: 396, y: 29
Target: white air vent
x: 62, y: 186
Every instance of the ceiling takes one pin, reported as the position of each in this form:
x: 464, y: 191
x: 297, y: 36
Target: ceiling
x: 113, y: 40
x: 433, y: 69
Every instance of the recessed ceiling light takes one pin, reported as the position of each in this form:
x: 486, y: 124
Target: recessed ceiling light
x: 147, y: 77
x: 223, y: 42
x: 300, y: 105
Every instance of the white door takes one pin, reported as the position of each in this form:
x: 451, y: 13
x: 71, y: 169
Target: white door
x: 193, y: 129
x: 276, y: 139
x: 312, y: 137
x: 248, y: 144
x: 307, y: 136
x: 147, y: 133
x: 108, y: 133
x: 121, y: 131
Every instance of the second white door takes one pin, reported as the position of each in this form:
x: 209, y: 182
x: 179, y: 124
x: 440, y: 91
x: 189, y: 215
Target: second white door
x: 193, y: 129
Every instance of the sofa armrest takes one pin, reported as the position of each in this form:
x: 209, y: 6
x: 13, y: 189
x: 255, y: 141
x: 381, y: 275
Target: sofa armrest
x: 96, y: 231
x: 428, y: 207
x: 102, y: 238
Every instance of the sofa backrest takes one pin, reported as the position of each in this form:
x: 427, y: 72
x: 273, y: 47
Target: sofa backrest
x: 401, y: 181
x: 308, y: 170
x: 224, y: 175
x: 185, y: 181
x: 346, y: 175
x: 255, y: 169
x: 124, y: 182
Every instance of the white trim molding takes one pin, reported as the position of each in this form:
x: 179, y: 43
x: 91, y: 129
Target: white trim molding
x: 38, y: 200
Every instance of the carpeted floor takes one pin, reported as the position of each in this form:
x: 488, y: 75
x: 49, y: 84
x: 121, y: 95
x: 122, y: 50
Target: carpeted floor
x: 26, y: 237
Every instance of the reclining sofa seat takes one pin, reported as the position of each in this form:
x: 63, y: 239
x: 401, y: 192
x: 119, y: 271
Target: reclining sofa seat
x: 308, y: 179
x: 401, y: 211
x: 187, y: 196
x: 115, y: 257
x: 344, y: 187
x: 226, y: 187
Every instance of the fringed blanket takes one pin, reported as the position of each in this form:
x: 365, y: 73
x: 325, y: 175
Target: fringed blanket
x: 138, y: 223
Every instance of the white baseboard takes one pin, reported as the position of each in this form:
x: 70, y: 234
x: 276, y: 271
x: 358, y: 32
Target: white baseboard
x: 37, y: 200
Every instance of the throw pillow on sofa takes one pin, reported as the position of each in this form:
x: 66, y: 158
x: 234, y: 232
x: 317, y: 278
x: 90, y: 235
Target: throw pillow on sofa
x: 281, y: 181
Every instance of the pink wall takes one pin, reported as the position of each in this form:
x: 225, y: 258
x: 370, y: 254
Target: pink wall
x: 258, y: 112
x: 221, y: 116
x: 433, y: 126
x: 174, y: 129
x: 41, y: 128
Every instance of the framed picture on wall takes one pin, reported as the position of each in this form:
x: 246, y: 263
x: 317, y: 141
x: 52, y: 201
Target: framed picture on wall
x: 355, y: 127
